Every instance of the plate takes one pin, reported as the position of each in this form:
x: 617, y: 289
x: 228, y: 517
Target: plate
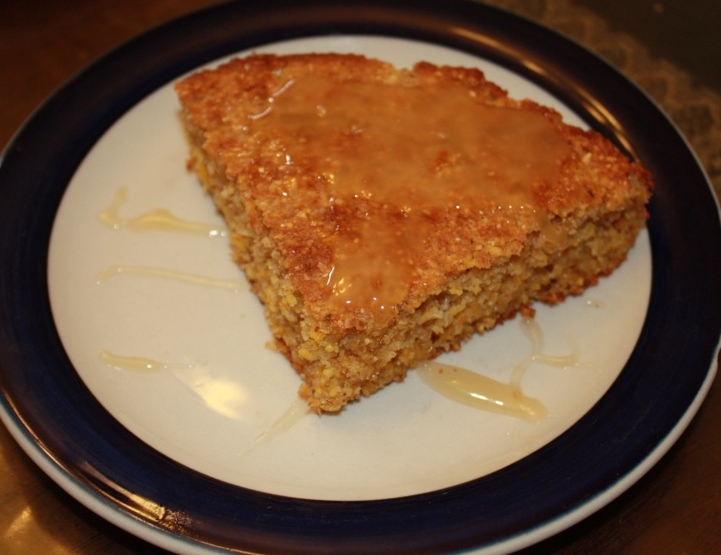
x: 201, y: 406
x: 173, y: 455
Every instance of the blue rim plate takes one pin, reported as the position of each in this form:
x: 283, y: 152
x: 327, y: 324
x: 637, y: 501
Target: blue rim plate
x: 72, y: 438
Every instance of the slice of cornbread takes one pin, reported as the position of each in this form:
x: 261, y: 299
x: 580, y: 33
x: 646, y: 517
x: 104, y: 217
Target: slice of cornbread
x: 383, y: 216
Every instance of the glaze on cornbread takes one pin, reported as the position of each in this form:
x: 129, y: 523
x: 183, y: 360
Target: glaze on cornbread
x: 383, y: 216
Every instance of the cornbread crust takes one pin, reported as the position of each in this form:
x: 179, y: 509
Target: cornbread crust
x: 478, y: 267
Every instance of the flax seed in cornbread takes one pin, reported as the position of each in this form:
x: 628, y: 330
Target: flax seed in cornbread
x: 383, y: 216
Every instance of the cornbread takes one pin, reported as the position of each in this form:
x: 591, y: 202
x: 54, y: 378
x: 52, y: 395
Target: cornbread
x: 383, y: 215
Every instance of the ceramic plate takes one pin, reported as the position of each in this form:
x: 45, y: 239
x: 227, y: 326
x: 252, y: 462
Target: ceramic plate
x: 134, y: 363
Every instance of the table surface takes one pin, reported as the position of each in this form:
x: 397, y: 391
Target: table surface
x: 669, y: 48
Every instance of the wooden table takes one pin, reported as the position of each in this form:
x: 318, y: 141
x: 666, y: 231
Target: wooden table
x: 666, y: 47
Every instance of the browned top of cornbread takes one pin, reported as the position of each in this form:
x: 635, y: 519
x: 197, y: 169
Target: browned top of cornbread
x: 377, y: 184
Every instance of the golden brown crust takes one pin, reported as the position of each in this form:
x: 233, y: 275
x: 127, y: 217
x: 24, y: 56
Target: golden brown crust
x: 478, y: 267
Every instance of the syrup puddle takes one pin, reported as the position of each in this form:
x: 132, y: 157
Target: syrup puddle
x: 155, y: 220
x: 482, y: 392
x: 159, y: 220
x: 216, y: 394
x: 149, y: 271
x: 296, y: 411
x: 139, y: 364
x: 222, y: 396
x: 222, y: 393
x: 478, y: 391
x: 225, y: 397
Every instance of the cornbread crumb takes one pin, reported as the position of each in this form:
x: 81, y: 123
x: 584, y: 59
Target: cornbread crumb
x: 384, y: 216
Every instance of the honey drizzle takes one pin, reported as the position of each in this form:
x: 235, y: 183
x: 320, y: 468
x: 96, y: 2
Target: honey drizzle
x: 297, y: 410
x: 154, y: 220
x: 139, y: 364
x: 482, y: 392
x: 478, y: 391
x: 388, y: 172
x: 149, y: 271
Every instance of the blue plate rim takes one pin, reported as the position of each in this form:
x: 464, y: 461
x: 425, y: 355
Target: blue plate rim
x: 93, y: 457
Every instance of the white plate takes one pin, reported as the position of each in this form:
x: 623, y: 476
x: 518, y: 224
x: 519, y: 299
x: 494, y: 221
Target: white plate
x: 223, y: 388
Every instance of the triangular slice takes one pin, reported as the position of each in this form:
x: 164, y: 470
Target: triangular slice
x: 383, y: 216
